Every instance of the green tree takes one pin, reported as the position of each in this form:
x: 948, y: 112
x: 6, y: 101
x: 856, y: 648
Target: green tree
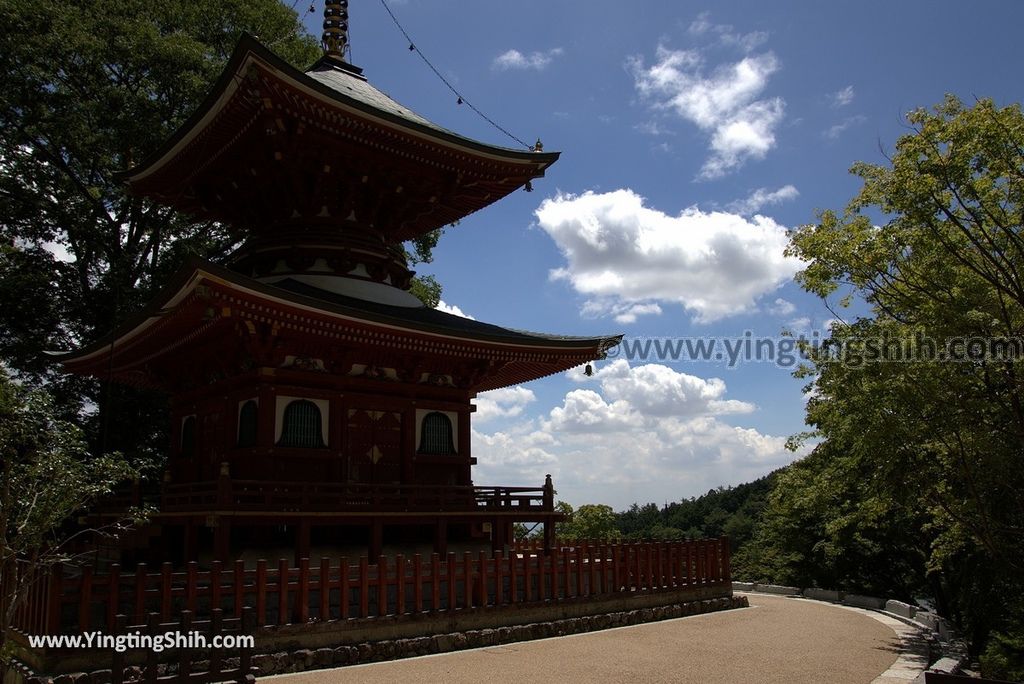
x: 932, y: 245
x: 589, y: 521
x: 46, y: 476
x: 88, y: 89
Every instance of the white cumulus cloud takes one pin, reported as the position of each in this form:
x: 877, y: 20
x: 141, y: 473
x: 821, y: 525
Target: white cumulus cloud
x: 724, y: 103
x: 781, y: 307
x: 620, y: 252
x: 452, y: 309
x: 838, y: 129
x: 658, y: 390
x: 505, y: 402
x: 763, y: 197
x: 643, y: 433
x: 514, y: 59
x: 843, y: 97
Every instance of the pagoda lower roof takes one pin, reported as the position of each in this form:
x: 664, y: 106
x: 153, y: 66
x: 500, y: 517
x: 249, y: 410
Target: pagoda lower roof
x: 203, y: 297
x: 265, y: 120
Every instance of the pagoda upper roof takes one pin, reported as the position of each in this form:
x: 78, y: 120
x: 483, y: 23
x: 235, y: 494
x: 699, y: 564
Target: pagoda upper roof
x: 327, y: 117
x: 203, y: 297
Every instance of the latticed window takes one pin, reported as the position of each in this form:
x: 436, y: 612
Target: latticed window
x: 302, y: 423
x: 436, y: 434
x: 188, y: 437
x: 247, y: 417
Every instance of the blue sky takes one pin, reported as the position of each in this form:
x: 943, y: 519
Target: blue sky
x: 693, y: 135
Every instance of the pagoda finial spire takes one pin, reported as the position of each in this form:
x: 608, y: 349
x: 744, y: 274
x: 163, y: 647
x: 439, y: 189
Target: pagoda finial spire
x: 335, y: 36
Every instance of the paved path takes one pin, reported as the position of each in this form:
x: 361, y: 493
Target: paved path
x: 775, y: 640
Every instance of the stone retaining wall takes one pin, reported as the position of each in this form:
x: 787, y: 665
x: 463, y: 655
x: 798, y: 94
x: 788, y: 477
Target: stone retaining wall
x: 952, y: 652
x: 300, y: 659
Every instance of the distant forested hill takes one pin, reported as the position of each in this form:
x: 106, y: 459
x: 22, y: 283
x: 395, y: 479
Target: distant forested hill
x: 731, y: 511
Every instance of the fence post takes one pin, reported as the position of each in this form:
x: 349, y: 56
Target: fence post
x: 302, y: 600
x: 364, y: 587
x: 499, y: 578
x: 566, y: 573
x: 435, y: 582
x: 528, y: 577
x: 579, y: 570
x: 118, y: 626
x: 325, y: 590
x: 282, y: 591
x: 555, y: 584
x: 482, y: 579
x: 165, y: 591
x: 150, y: 668
x: 450, y: 578
x: 400, y: 584
x: 239, y: 587
x: 261, y: 591
x: 185, y: 654
x: 56, y: 598
x: 382, y: 586
x: 140, y: 594
x: 726, y: 575
x: 215, y: 585
x: 216, y: 626
x: 467, y: 579
x: 85, y: 599
x: 343, y: 584
x: 591, y: 571
x: 650, y: 566
x: 417, y: 578
x: 245, y: 657
x: 513, y: 576
x: 192, y: 586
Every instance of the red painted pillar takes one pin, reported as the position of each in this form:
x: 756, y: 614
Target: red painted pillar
x: 408, y: 446
x: 441, y: 537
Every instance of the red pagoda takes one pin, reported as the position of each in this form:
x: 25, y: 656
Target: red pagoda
x: 312, y: 395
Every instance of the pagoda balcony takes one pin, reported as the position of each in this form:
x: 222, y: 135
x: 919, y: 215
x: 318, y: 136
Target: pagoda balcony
x: 257, y: 496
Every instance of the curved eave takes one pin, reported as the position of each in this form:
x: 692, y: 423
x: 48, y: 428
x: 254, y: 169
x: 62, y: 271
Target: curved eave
x: 249, y: 52
x: 563, y: 352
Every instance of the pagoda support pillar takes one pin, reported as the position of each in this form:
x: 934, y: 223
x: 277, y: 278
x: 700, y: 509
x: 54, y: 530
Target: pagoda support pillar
x: 222, y: 539
x: 549, y: 535
x: 265, y: 413
x: 408, y: 444
x: 498, y: 535
x: 302, y: 535
x: 376, y: 540
x: 337, y: 414
x: 191, y: 542
x: 465, y: 435
x: 441, y: 537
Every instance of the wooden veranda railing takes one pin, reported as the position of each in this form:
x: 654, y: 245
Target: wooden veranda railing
x: 258, y: 495
x: 77, y: 599
x: 226, y: 493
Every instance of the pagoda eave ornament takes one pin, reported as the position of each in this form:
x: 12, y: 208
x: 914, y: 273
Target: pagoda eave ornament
x: 271, y: 141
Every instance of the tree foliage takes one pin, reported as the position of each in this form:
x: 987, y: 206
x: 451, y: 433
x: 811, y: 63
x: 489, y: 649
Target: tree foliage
x: 589, y: 521
x: 88, y: 89
x: 729, y: 511
x: 920, y: 453
x: 47, y: 475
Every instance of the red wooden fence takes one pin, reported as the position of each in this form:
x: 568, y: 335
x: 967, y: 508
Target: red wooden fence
x: 76, y: 599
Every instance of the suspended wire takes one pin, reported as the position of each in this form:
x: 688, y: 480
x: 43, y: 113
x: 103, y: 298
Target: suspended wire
x: 461, y: 98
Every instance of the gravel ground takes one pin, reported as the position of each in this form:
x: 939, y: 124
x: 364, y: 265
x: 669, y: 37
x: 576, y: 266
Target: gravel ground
x: 775, y: 640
